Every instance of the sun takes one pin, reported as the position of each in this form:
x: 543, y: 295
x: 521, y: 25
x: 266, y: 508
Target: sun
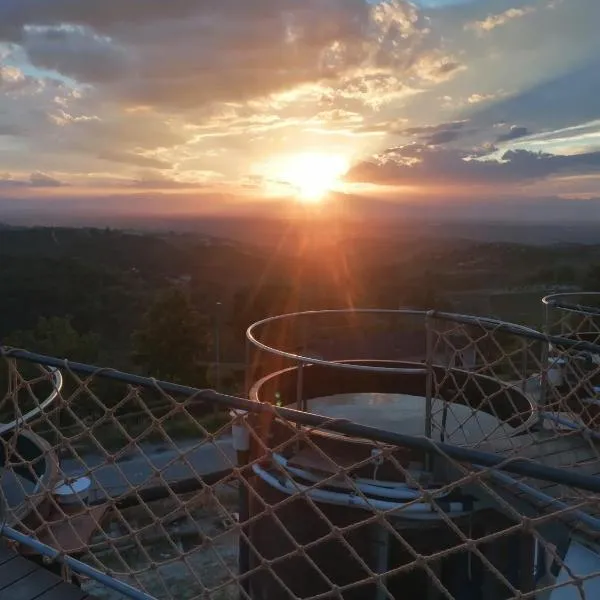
x: 312, y: 175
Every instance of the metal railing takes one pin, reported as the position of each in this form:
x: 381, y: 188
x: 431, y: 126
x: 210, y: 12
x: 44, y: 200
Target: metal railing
x: 165, y: 500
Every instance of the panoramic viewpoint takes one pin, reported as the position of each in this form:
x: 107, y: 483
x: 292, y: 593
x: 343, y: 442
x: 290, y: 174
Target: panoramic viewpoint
x: 299, y: 299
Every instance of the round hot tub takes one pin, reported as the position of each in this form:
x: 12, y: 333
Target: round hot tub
x: 406, y: 414
x: 466, y: 409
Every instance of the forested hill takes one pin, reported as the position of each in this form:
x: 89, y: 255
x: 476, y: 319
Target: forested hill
x: 103, y: 283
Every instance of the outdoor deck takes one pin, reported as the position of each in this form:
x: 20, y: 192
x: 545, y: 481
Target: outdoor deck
x: 570, y: 450
x: 23, y: 579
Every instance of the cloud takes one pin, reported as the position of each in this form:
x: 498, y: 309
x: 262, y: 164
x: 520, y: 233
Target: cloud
x: 477, y: 98
x: 76, y: 52
x: 493, y: 21
x: 99, y: 14
x: 425, y: 166
x: 42, y: 180
x: 513, y: 134
x: 151, y: 84
x: 229, y: 50
x: 131, y: 158
x: 436, y: 67
x: 104, y: 88
x: 434, y: 135
x: 12, y: 79
x: 10, y: 129
x: 35, y: 180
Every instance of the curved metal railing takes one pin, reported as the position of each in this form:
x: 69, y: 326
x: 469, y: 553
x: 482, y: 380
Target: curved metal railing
x: 56, y: 381
x: 484, y: 322
x: 573, y: 315
x: 557, y: 301
x: 19, y: 505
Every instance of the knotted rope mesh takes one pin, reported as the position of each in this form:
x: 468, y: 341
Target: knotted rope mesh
x: 450, y: 460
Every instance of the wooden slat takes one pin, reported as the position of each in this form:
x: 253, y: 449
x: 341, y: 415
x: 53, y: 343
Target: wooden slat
x: 23, y: 579
x: 542, y: 446
x: 64, y: 591
x: 31, y: 586
x: 568, y: 451
x: 6, y: 553
x: 15, y: 569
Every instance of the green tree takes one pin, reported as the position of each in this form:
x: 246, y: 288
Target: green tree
x: 56, y: 336
x: 173, y: 340
x: 254, y: 304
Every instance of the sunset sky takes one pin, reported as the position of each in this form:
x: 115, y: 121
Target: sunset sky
x: 245, y: 99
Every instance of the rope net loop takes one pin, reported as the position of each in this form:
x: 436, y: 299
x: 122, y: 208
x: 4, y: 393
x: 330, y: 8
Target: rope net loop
x: 380, y: 454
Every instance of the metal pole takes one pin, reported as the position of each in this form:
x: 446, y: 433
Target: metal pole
x: 76, y: 565
x: 429, y: 376
x: 380, y: 540
x: 300, y: 401
x: 524, y: 364
x: 428, y: 387
x: 544, y: 373
x: 218, y: 344
x: 241, y: 442
x: 248, y: 372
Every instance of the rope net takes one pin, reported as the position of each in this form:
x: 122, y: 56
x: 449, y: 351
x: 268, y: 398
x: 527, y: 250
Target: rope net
x: 453, y: 464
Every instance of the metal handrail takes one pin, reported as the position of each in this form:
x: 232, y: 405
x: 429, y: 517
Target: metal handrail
x: 553, y: 300
x: 75, y: 565
x: 517, y: 465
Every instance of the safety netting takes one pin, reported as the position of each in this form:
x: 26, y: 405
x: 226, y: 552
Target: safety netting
x: 379, y: 454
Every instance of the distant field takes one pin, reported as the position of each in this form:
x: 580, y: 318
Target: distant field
x: 517, y: 307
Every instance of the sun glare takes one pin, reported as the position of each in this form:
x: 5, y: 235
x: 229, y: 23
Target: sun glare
x: 312, y: 175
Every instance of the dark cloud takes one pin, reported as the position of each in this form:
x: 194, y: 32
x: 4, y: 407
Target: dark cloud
x: 100, y: 14
x: 42, y: 180
x: 10, y: 129
x: 513, y: 134
x: 76, y: 52
x: 421, y: 165
x: 228, y: 50
x: 36, y: 180
x: 431, y: 129
x: 435, y: 135
x: 442, y: 137
x: 446, y: 68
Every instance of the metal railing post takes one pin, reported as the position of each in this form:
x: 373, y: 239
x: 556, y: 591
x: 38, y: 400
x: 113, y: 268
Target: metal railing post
x: 542, y: 400
x: 301, y: 403
x: 241, y: 442
x: 248, y: 370
x: 429, y: 374
x: 524, y: 364
x: 218, y: 344
x: 429, y: 385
